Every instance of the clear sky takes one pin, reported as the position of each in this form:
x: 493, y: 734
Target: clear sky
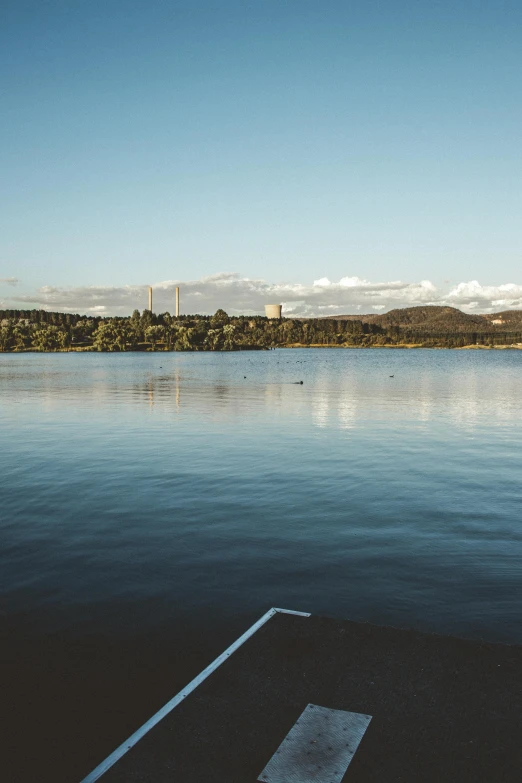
x: 285, y: 141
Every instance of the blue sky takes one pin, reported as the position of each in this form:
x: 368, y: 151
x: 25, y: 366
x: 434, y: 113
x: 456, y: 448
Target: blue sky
x: 276, y: 142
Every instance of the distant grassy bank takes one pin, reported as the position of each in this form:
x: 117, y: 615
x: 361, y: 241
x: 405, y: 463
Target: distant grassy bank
x: 407, y: 346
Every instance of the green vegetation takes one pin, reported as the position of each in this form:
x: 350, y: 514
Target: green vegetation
x: 428, y: 327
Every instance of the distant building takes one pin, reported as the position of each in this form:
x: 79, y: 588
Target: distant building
x: 273, y: 311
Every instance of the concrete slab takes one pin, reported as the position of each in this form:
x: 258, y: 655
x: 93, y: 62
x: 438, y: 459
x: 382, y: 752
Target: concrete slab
x: 318, y: 748
x: 444, y: 709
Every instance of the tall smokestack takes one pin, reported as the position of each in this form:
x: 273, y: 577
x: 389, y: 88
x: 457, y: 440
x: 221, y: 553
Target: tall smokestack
x: 150, y: 298
x: 177, y: 301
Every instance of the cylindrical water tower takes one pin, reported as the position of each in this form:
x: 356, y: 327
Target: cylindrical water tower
x: 273, y: 311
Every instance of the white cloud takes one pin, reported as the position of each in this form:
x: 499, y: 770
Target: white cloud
x: 9, y: 280
x: 486, y: 297
x: 238, y: 294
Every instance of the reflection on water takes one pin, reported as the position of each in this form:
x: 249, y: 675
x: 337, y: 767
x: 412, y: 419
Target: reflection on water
x: 346, y: 390
x: 161, y: 502
x: 242, y: 423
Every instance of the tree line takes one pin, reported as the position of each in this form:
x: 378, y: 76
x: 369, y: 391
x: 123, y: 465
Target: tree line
x: 39, y: 330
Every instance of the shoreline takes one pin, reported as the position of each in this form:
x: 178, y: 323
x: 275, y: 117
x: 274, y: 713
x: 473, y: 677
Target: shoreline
x: 411, y: 346
x: 400, y: 346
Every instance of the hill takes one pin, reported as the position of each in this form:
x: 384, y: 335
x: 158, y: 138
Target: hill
x: 435, y: 318
x: 508, y: 319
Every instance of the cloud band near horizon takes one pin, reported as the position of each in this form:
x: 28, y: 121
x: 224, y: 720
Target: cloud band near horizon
x: 241, y: 295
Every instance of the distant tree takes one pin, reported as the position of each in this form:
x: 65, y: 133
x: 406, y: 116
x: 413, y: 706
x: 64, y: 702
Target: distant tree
x: 220, y: 318
x: 146, y: 320
x: 214, y: 339
x: 6, y: 334
x: 49, y: 338
x: 229, y: 332
x: 155, y: 334
x: 113, y: 335
x: 22, y: 335
x: 186, y: 339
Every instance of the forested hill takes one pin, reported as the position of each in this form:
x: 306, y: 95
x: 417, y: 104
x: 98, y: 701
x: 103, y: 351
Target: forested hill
x: 511, y: 319
x: 434, y: 318
x: 429, y: 327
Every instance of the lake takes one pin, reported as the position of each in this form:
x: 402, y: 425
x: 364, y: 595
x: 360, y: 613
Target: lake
x: 153, y: 505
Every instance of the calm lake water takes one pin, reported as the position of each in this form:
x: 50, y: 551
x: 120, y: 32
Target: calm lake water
x: 152, y: 506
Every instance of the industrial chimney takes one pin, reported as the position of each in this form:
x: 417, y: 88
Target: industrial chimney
x: 273, y: 311
x: 150, y: 298
x: 177, y: 301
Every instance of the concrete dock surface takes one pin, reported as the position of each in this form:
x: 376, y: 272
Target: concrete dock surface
x: 438, y: 709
